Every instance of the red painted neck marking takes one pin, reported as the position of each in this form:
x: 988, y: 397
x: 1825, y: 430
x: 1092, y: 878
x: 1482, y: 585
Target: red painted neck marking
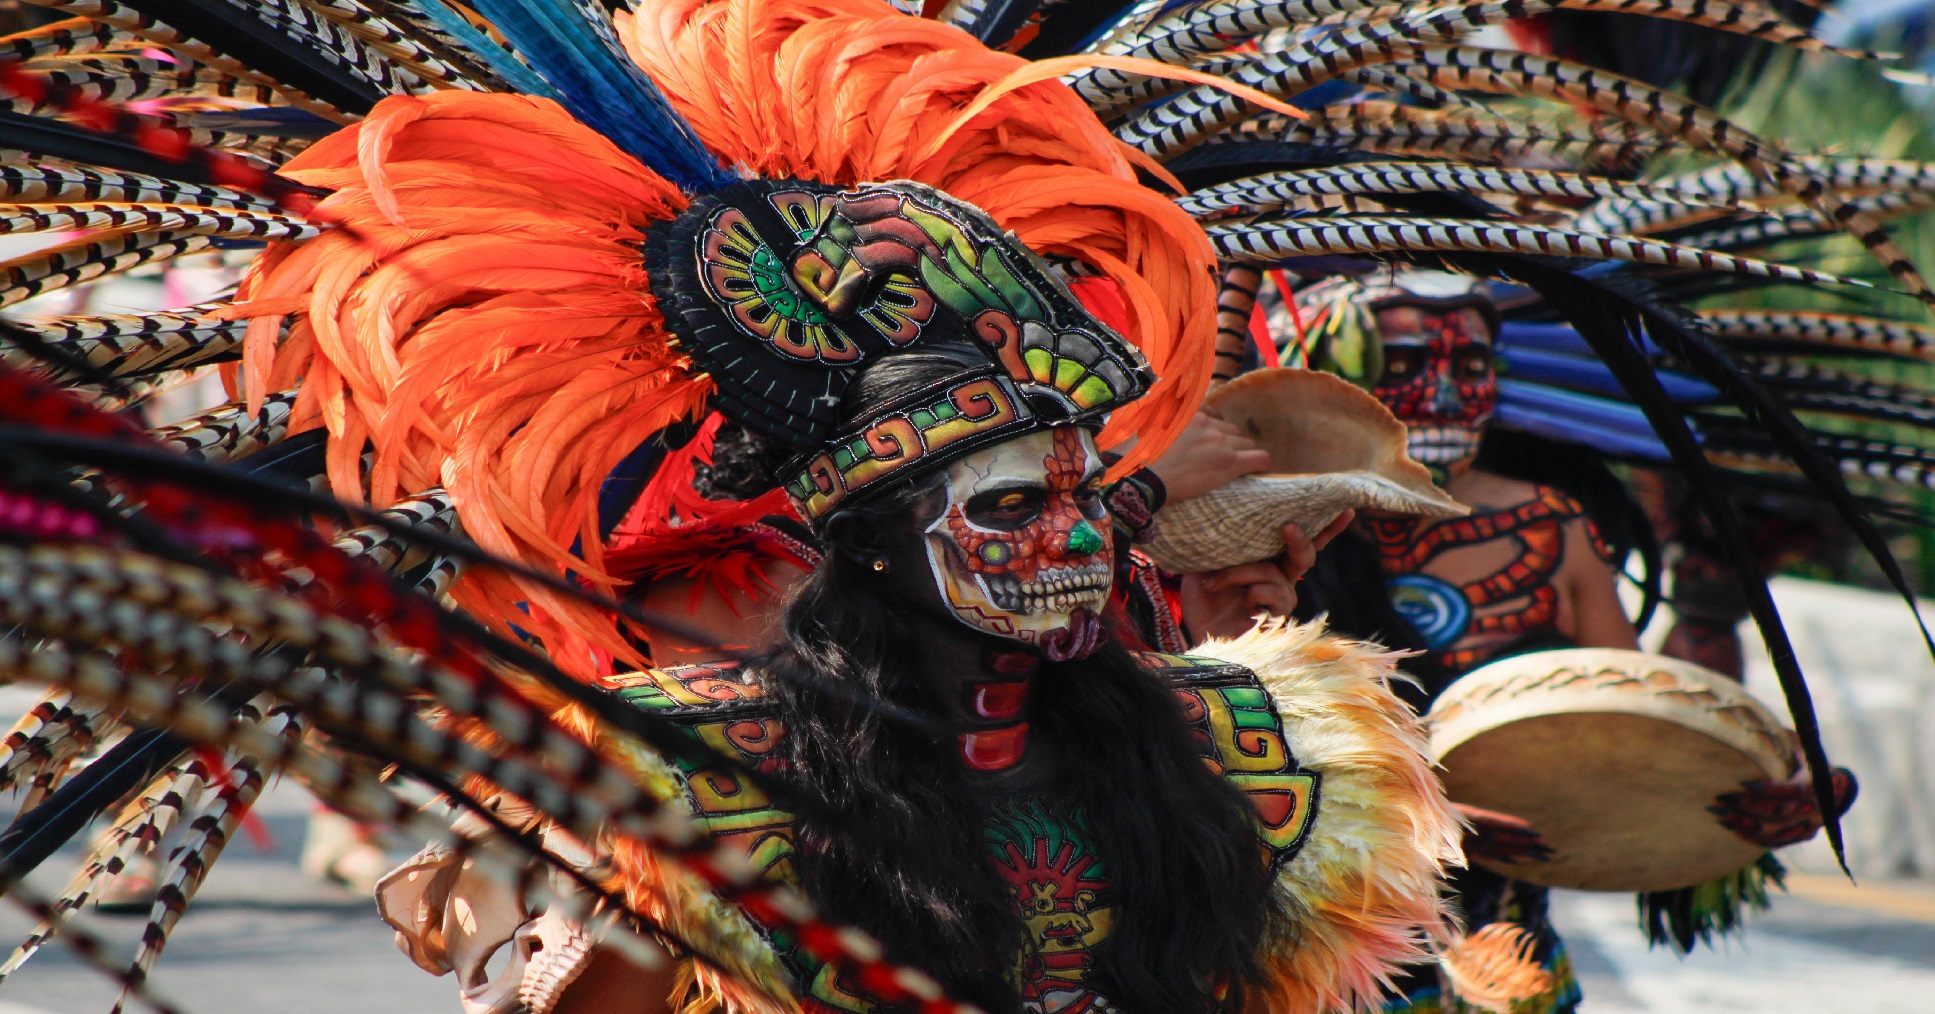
x: 998, y: 709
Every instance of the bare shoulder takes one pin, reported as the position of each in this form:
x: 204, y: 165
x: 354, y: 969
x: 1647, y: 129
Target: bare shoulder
x: 1477, y: 488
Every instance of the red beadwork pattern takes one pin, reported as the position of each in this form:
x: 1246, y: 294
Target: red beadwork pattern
x: 995, y: 749
x: 1000, y: 701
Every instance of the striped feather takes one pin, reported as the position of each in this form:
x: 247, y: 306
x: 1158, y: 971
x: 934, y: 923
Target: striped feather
x: 136, y: 831
x: 1801, y: 222
x: 331, y: 42
x: 230, y: 431
x: 71, y: 37
x: 1172, y: 127
x: 43, y: 738
x: 1204, y: 28
x: 1834, y: 330
x: 1809, y: 388
x: 62, y: 184
x: 89, y: 259
x: 122, y: 78
x: 401, y: 46
x: 208, y: 833
x: 83, y: 941
x: 433, y: 511
x: 165, y: 36
x: 1275, y: 241
x: 240, y: 224
x: 1200, y: 29
x: 1543, y: 77
x: 1396, y: 82
x: 1235, y: 302
x: 134, y: 345
x: 1275, y: 189
x: 1734, y: 184
x: 1480, y: 135
x: 343, y: 786
x: 1901, y: 464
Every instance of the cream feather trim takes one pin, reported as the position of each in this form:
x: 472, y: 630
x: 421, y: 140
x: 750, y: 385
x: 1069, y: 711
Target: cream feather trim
x: 1363, y: 893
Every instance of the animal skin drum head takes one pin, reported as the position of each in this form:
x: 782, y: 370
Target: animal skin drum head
x: 1613, y: 757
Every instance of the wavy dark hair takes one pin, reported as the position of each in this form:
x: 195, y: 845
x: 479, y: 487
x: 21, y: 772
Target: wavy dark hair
x: 1180, y: 842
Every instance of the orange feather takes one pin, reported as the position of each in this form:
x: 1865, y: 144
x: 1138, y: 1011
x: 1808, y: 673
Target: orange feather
x: 486, y: 321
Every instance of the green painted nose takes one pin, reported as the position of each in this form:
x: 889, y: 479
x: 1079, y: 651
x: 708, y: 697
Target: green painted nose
x: 1084, y: 540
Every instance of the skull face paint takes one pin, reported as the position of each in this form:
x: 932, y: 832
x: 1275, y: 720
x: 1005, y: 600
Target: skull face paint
x: 1022, y: 548
x: 1438, y: 378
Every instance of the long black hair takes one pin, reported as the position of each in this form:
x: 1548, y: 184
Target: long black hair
x: 1180, y: 843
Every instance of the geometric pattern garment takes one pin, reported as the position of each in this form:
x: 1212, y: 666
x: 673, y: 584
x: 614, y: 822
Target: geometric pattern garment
x: 1464, y: 623
x: 1049, y: 860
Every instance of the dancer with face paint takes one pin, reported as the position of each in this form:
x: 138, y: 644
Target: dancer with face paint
x: 786, y: 264
x: 975, y: 770
x: 1528, y: 565
x: 1526, y: 571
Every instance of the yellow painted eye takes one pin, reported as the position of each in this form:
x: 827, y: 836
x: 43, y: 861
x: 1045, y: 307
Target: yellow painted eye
x: 1012, y: 500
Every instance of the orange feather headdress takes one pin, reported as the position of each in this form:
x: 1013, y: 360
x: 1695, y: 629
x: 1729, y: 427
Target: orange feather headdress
x: 484, y: 320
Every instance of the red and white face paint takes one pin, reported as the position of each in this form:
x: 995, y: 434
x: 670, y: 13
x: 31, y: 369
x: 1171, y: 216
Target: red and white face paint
x: 1438, y: 378
x: 1022, y: 549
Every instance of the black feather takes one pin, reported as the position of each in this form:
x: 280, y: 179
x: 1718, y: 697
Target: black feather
x: 1611, y: 322
x: 41, y: 831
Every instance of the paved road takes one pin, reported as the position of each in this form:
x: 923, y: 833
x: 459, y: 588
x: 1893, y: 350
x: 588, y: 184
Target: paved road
x: 1861, y: 953
x: 264, y: 939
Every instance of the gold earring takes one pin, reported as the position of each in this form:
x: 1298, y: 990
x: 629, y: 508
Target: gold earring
x: 880, y: 565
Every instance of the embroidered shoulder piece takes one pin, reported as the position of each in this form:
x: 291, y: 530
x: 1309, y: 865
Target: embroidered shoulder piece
x: 1237, y: 728
x: 723, y: 706
x: 719, y: 705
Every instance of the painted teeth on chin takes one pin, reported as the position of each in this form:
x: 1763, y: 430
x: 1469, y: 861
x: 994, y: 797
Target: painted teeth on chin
x: 1004, y: 590
x: 1060, y: 590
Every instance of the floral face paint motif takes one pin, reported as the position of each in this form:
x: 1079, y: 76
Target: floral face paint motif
x: 1022, y: 549
x: 1438, y: 378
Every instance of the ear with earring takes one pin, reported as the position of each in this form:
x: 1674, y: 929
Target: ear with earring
x: 880, y: 565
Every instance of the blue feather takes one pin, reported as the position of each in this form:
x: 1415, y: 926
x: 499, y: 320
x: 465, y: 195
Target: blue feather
x: 572, y: 47
x: 1559, y: 338
x: 1552, y: 427
x: 502, y: 63
x: 1581, y: 373
x: 1607, y: 426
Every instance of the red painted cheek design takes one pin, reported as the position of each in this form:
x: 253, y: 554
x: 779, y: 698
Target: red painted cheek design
x: 1062, y: 532
x: 1419, y: 399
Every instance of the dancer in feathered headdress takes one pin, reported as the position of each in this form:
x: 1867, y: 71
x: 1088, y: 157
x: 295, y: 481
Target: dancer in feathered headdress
x: 840, y: 229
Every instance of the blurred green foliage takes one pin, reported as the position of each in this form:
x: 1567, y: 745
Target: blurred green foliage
x: 1831, y: 105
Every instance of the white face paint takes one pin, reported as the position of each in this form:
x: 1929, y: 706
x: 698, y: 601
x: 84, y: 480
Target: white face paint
x: 1022, y: 549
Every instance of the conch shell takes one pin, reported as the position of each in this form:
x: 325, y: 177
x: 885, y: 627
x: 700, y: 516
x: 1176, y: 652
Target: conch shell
x: 1333, y: 447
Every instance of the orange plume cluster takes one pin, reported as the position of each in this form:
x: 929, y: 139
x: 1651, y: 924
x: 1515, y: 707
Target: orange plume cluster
x: 483, y: 319
x: 851, y: 91
x: 483, y: 322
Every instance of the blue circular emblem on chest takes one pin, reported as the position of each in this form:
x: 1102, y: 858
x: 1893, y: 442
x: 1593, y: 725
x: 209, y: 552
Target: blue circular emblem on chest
x: 1436, y: 609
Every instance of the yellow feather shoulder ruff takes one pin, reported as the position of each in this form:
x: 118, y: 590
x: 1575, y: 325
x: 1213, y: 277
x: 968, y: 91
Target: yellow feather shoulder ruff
x: 1363, y: 893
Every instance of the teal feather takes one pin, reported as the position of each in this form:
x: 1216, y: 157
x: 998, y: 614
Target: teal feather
x: 572, y: 46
